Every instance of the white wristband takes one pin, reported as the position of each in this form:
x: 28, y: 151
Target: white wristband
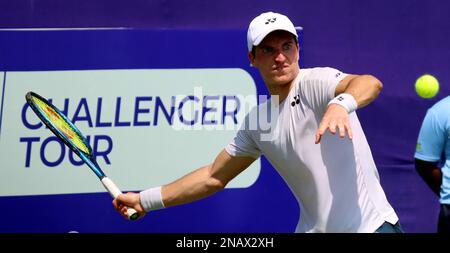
x: 345, y: 100
x: 151, y: 199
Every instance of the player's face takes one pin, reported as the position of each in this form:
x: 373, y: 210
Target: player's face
x: 277, y: 57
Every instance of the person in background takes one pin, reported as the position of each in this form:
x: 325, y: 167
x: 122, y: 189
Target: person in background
x: 432, y: 157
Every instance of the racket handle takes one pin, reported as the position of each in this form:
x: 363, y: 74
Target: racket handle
x: 114, y: 191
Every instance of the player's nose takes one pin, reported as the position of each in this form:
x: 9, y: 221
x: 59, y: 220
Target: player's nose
x: 280, y: 57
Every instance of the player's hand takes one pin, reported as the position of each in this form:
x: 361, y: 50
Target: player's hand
x: 129, y: 199
x: 335, y: 117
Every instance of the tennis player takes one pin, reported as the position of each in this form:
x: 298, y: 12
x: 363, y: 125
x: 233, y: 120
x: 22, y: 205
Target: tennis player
x: 334, y: 178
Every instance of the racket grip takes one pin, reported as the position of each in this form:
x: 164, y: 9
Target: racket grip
x: 111, y: 187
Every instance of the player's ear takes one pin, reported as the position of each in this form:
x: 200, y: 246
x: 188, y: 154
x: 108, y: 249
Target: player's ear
x: 251, y: 57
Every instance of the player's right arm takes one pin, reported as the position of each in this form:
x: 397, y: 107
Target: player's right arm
x: 198, y: 184
x: 205, y: 181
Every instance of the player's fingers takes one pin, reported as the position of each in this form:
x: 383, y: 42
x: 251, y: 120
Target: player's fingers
x: 318, y: 136
x: 320, y: 132
x: 349, y: 130
x: 342, y: 128
x: 123, y: 199
x: 322, y: 127
x: 116, y: 204
x: 332, y: 127
x: 123, y: 211
x: 119, y: 208
x: 120, y: 197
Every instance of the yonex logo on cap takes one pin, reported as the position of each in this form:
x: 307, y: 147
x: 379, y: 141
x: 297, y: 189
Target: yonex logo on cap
x: 270, y: 20
x: 266, y: 23
x: 340, y: 98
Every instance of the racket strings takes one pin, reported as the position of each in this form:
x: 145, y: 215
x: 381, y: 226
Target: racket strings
x: 61, y: 125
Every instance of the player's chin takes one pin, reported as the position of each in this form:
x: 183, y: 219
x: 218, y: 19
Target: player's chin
x: 281, y: 79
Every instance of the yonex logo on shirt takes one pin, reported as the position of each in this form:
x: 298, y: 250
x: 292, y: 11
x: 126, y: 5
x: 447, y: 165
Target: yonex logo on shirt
x: 296, y: 100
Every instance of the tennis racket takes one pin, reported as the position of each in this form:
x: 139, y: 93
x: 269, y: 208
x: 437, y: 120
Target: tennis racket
x: 66, y: 131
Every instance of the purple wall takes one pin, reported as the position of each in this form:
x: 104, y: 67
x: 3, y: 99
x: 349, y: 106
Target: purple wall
x: 397, y: 41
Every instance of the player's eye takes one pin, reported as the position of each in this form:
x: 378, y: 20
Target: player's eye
x: 287, y: 46
x: 267, y: 50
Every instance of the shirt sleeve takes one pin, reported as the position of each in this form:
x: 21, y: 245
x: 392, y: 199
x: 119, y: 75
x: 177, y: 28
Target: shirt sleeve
x: 319, y: 85
x: 431, y: 140
x: 243, y: 144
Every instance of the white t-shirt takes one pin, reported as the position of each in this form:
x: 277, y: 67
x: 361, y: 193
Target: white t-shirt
x: 336, y: 181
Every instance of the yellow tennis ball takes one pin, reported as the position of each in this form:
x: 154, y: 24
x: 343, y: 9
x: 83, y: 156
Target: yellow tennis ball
x: 427, y: 86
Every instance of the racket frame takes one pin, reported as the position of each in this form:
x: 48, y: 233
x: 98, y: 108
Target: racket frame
x: 88, y: 158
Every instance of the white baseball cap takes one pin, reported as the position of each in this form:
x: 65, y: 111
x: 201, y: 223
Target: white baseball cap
x: 266, y: 23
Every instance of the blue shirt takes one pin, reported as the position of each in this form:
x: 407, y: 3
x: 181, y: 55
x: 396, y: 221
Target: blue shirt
x: 433, y: 144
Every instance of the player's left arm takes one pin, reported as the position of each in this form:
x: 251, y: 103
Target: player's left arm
x: 363, y: 89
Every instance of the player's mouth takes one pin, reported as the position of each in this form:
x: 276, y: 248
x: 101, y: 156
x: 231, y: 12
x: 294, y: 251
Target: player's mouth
x: 280, y: 70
